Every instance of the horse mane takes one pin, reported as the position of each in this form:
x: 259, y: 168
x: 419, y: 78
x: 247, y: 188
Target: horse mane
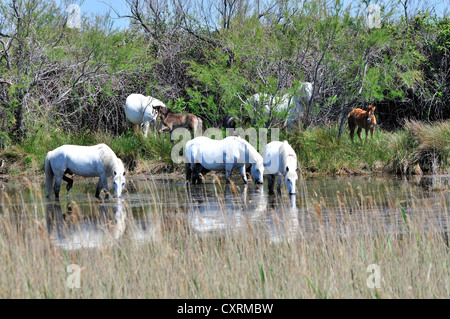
x: 251, y: 150
x: 286, y: 151
x: 108, y: 158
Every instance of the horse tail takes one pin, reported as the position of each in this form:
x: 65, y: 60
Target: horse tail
x: 351, y: 120
x: 48, y: 175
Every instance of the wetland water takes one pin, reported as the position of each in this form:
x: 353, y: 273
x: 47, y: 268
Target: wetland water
x: 346, y: 205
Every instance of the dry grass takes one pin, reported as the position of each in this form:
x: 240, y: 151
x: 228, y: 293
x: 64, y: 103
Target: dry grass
x: 433, y: 143
x: 322, y: 251
x: 419, y: 144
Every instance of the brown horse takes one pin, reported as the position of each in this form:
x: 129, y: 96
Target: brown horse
x: 172, y: 120
x: 363, y: 120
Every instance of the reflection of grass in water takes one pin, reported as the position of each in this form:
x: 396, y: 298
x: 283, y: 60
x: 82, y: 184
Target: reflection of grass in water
x: 335, y: 242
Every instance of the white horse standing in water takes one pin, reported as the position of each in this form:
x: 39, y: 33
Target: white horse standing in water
x: 294, y: 105
x: 88, y: 161
x: 139, y: 110
x: 280, y: 160
x: 203, y: 154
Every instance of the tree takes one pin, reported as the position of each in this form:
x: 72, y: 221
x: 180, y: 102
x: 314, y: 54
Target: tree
x: 31, y: 36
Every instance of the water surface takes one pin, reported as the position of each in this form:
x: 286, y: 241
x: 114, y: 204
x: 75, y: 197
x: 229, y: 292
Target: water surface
x: 348, y: 206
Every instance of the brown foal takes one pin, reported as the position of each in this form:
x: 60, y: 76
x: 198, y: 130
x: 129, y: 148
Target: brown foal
x: 363, y: 120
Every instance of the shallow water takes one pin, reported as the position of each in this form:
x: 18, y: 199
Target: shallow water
x: 346, y: 206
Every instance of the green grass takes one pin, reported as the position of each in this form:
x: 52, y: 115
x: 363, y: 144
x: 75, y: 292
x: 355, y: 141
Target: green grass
x: 319, y: 150
x: 28, y: 156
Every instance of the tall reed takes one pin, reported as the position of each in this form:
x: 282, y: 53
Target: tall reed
x: 316, y: 248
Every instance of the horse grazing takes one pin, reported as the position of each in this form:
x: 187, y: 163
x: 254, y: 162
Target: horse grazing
x: 139, y: 110
x: 172, y: 121
x: 88, y: 161
x: 363, y: 120
x: 284, y: 109
x: 280, y: 161
x: 203, y: 154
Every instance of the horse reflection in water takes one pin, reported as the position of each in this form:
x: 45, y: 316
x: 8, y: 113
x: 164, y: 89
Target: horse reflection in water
x: 211, y: 211
x: 283, y: 224
x: 237, y: 210
x: 72, y: 230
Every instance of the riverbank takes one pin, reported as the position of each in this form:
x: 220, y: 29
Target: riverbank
x: 417, y: 148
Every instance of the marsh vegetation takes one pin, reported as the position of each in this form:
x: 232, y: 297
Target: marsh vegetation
x: 166, y: 239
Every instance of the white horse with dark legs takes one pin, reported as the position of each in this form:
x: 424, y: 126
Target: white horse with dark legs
x: 139, y: 110
x: 88, y: 161
x: 280, y: 160
x: 294, y: 105
x: 203, y: 154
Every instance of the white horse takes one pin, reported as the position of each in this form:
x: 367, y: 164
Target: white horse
x: 88, y: 161
x: 139, y: 110
x: 294, y: 105
x: 203, y: 154
x: 280, y: 160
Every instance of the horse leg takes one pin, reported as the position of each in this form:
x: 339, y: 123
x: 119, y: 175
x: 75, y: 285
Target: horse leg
x: 98, y: 190
x: 197, y: 170
x: 102, y: 184
x: 351, y: 126
x: 352, y: 134
x: 228, y: 168
x: 57, y: 186
x: 198, y: 126
x: 270, y: 180
x: 165, y: 129
x: 359, y: 133
x: 104, y: 181
x: 146, y: 128
x: 135, y: 128
x: 280, y: 177
x: 69, y: 182
x: 187, y: 168
x: 243, y: 174
x: 192, y: 173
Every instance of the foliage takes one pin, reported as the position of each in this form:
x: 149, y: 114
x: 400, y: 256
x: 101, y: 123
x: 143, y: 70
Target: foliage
x: 57, y: 79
